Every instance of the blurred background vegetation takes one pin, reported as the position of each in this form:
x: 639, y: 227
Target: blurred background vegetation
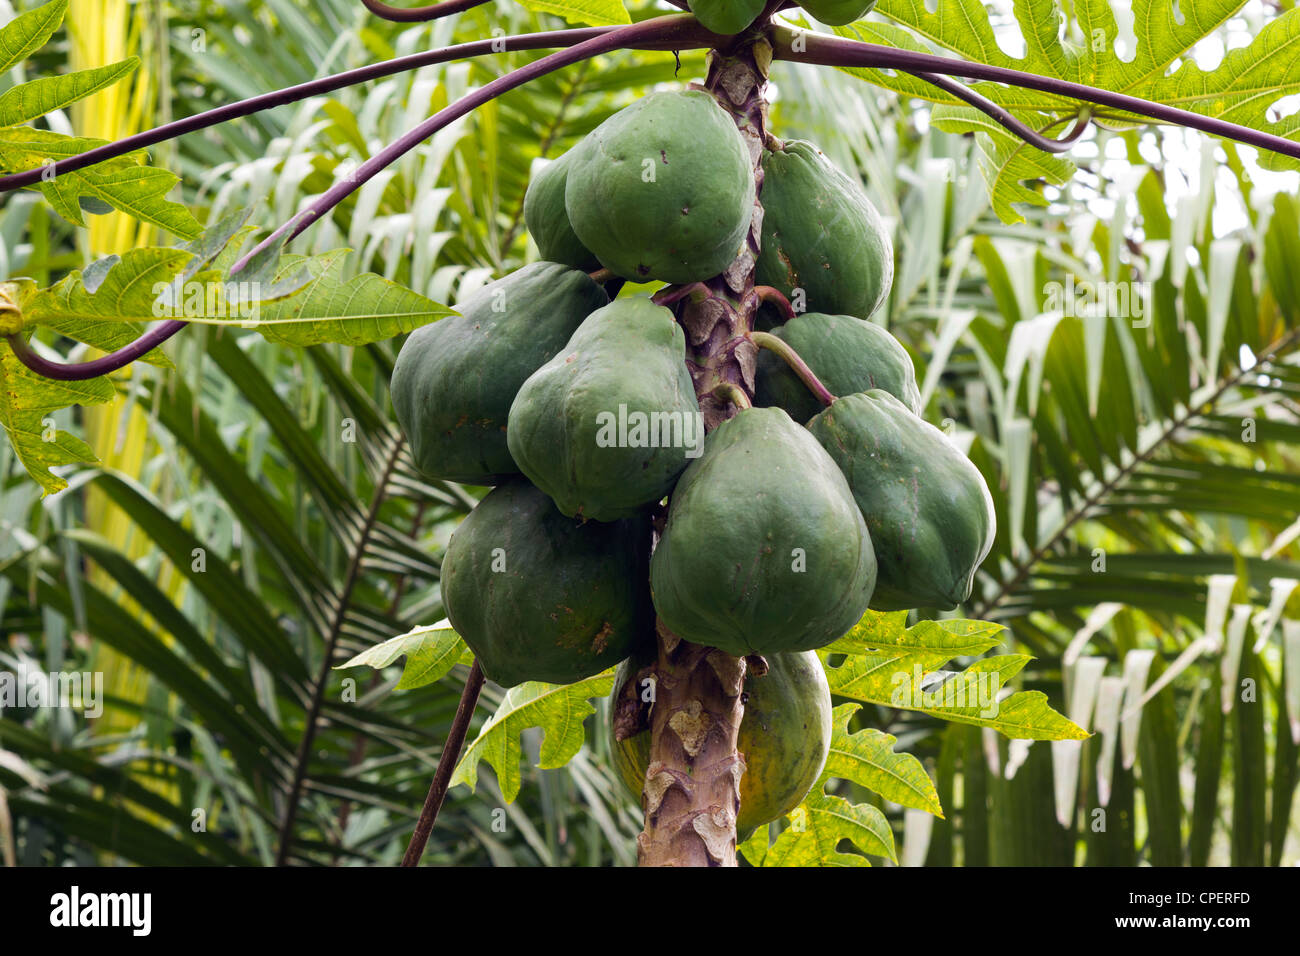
x: 1146, y: 472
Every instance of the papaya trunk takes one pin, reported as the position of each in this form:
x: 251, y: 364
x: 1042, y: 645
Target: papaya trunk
x: 692, y: 790
x: 692, y: 787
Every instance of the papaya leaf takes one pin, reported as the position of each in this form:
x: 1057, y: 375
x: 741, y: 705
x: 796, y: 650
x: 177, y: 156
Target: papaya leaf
x: 138, y: 191
x: 884, y: 663
x: 25, y: 398
x: 24, y: 35
x: 1082, y: 44
x: 105, y: 305
x: 431, y: 652
x: 887, y: 633
x: 558, y: 709
x: 215, y: 240
x: 330, y: 308
x: 122, y: 183
x: 29, y: 101
x: 596, y: 12
x: 754, y: 850
x: 817, y: 826
x: 868, y: 758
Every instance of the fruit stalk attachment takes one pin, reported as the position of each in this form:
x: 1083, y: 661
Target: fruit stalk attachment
x: 766, y: 340
x: 775, y: 297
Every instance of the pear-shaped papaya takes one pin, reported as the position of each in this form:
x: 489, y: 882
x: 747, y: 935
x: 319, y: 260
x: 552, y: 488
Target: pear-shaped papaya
x: 538, y: 596
x: 764, y: 550
x: 454, y: 379
x: 928, y: 508
x: 846, y: 354
x: 821, y: 234
x: 547, y: 221
x: 663, y: 189
x: 727, y: 16
x: 607, y: 425
x: 837, y: 13
x: 785, y: 736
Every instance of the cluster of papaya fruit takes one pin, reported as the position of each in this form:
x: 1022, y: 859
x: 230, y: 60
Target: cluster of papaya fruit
x: 782, y: 525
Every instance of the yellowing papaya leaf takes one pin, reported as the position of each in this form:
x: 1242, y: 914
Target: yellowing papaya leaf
x: 817, y: 826
x: 881, y: 662
x: 558, y: 709
x: 431, y: 652
x: 868, y: 758
x: 25, y: 401
x: 886, y: 633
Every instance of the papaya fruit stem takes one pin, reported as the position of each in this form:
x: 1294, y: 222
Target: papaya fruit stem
x: 774, y: 296
x: 777, y: 345
x: 734, y: 394
x: 673, y: 294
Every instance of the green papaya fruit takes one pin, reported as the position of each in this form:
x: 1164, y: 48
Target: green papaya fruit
x: 764, y: 550
x: 538, y: 596
x: 846, y: 354
x: 785, y: 736
x: 454, y: 379
x: 547, y: 221
x: 726, y: 16
x: 928, y: 508
x: 821, y: 234
x: 837, y: 13
x: 607, y: 425
x: 663, y: 189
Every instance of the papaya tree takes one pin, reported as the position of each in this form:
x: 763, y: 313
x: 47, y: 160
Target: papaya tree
x: 713, y: 495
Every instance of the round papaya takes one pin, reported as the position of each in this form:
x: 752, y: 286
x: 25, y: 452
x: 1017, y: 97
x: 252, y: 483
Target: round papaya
x: 454, y: 379
x: 846, y: 354
x: 663, y: 189
x: 837, y: 13
x: 821, y: 235
x: 764, y: 550
x: 547, y: 221
x: 726, y: 16
x: 928, y: 508
x: 538, y: 596
x: 785, y: 736
x: 607, y: 425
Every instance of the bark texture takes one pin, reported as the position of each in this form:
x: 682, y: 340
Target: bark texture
x: 692, y: 789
